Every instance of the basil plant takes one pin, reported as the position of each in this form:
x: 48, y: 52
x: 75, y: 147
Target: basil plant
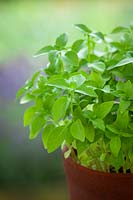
x: 83, y: 99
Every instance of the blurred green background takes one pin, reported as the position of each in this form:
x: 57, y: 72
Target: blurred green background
x: 26, y: 171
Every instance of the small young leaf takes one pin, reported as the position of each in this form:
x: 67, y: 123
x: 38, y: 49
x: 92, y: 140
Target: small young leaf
x: 77, y: 130
x: 67, y: 153
x: 115, y: 145
x: 61, y: 41
x: 35, y: 126
x: 102, y: 157
x: 83, y: 28
x: 59, y: 108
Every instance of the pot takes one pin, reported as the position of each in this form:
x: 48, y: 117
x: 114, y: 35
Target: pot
x: 87, y: 184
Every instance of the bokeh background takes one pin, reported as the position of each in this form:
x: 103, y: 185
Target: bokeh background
x: 26, y: 171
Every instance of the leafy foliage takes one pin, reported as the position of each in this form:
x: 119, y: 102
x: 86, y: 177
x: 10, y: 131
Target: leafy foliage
x: 83, y: 98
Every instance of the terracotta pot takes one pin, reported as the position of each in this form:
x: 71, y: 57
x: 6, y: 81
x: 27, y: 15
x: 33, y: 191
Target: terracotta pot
x: 87, y: 184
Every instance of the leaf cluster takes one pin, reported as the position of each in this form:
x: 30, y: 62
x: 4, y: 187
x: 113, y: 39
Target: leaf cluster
x: 83, y: 98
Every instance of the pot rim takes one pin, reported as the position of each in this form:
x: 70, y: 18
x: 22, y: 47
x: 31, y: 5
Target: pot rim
x: 72, y: 162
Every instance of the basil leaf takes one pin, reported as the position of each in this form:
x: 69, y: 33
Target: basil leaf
x: 46, y: 132
x: 77, y: 130
x: 115, y: 145
x: 35, y: 126
x: 59, y: 108
x: 55, y: 138
x: 29, y: 115
x: 83, y: 28
x: 71, y: 58
x: 44, y: 50
x: 101, y: 110
x: 62, y: 40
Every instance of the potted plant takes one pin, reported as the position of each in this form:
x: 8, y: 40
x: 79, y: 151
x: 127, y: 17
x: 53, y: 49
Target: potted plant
x: 83, y: 101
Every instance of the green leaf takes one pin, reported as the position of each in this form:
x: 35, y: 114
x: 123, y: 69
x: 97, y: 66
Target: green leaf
x: 77, y: 45
x: 106, y: 89
x: 67, y: 153
x: 128, y: 89
x: 98, y: 35
x: 99, y: 123
x: 61, y: 41
x: 124, y: 105
x: 78, y: 79
x: 59, y: 83
x: 68, y: 137
x: 44, y: 50
x: 120, y: 29
x: 29, y: 114
x: 123, y: 62
x: 102, y: 110
x: 56, y: 138
x: 97, y: 78
x: 35, y: 126
x: 113, y: 129
x: 130, y: 154
x: 117, y: 131
x: 98, y: 66
x: 127, y: 135
x: 28, y: 84
x: 115, y: 145
x: 59, y: 108
x: 83, y: 28
x: 20, y: 92
x: 53, y: 57
x: 77, y: 130
x: 130, y: 125
x: 86, y: 90
x: 102, y: 157
x: 71, y: 58
x: 46, y: 132
x: 90, y: 132
x: 120, y: 123
x: 81, y: 146
x: 27, y: 98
